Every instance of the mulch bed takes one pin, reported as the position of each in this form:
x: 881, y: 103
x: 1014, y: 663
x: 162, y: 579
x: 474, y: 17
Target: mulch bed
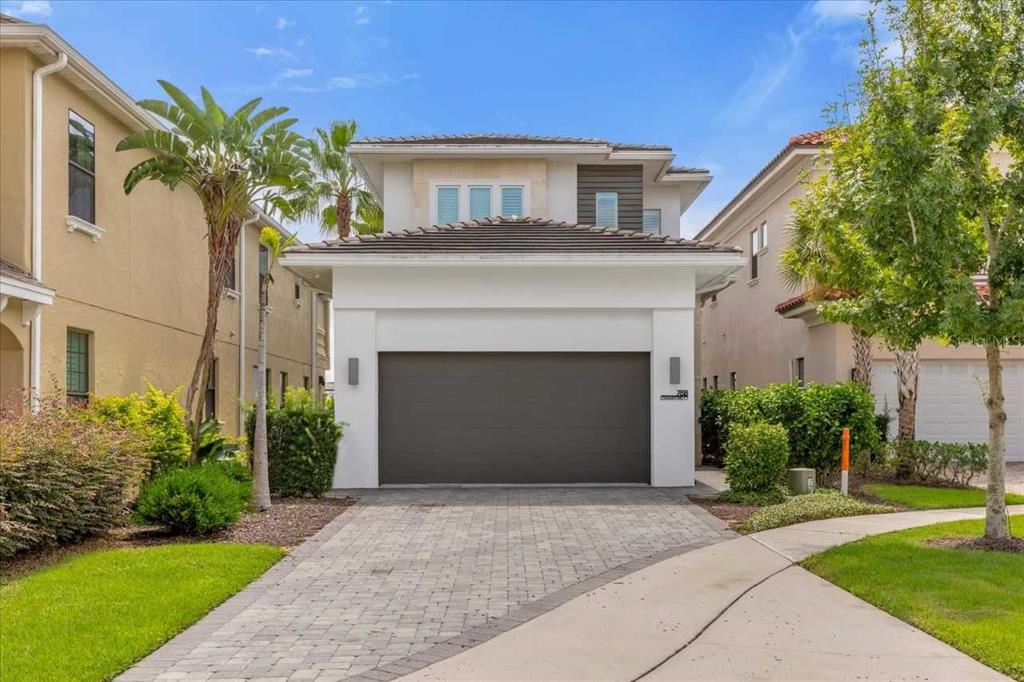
x: 1010, y: 545
x: 287, y: 524
x: 733, y: 514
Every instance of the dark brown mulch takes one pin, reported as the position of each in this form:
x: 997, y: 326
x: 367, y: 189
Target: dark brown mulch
x: 1010, y: 545
x: 732, y: 514
x: 287, y: 524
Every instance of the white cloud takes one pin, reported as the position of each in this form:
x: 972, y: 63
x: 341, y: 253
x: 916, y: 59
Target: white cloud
x: 840, y: 10
x: 283, y: 23
x: 288, y: 74
x: 274, y: 52
x: 362, y: 15
x: 28, y: 8
x: 351, y: 82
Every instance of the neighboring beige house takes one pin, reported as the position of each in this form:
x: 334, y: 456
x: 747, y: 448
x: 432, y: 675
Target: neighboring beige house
x: 759, y: 331
x: 102, y: 291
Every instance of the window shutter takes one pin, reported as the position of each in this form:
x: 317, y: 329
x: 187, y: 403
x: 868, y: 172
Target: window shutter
x: 607, y: 209
x: 479, y: 203
x: 447, y: 205
x: 652, y: 220
x: 512, y: 201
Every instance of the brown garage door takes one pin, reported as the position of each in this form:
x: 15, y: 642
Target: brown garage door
x: 514, y: 418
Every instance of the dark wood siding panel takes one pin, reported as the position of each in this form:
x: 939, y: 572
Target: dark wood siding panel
x: 628, y: 181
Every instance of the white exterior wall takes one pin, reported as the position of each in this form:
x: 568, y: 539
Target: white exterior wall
x: 665, y: 198
x: 514, y: 309
x: 398, y: 196
x: 561, y: 191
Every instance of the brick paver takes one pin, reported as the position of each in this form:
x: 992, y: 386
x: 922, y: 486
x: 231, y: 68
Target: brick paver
x: 407, y: 577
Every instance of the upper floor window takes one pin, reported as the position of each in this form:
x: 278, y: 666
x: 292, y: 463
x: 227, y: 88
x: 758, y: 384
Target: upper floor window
x: 78, y: 366
x: 607, y: 209
x: 447, y: 205
x: 758, y: 243
x: 652, y: 220
x: 81, y: 168
x: 210, y: 394
x: 478, y: 201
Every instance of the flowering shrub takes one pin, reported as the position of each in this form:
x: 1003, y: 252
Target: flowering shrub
x: 63, y: 476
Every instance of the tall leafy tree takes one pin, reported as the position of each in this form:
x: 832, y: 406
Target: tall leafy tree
x: 336, y: 193
x: 230, y: 161
x: 273, y: 244
x: 929, y: 181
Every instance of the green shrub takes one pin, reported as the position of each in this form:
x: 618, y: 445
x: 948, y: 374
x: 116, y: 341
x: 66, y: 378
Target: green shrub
x: 157, y: 417
x: 214, y: 445
x: 302, y: 445
x: 194, y: 500
x: 824, y: 503
x: 953, y: 464
x: 813, y: 416
x: 756, y: 457
x: 63, y: 477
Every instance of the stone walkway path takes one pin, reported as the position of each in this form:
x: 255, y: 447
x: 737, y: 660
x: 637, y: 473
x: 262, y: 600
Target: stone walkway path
x: 406, y: 578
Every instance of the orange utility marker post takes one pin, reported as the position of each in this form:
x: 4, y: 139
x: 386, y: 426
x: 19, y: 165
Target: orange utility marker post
x: 845, y: 464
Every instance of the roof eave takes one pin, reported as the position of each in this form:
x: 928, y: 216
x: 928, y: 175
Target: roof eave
x: 305, y: 257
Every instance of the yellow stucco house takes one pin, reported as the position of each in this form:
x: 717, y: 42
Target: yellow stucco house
x: 101, y: 291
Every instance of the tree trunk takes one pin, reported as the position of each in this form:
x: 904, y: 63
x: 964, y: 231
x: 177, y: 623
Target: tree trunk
x: 907, y: 370
x: 862, y: 350
x: 343, y: 210
x: 996, y: 526
x: 221, y: 252
x: 260, y: 473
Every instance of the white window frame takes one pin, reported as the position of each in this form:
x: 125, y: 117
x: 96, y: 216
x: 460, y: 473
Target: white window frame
x: 761, y: 232
x: 496, y: 186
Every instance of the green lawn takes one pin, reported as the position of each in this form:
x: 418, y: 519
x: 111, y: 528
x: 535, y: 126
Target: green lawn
x: 924, y: 497
x: 971, y: 599
x: 92, y: 616
x: 823, y: 504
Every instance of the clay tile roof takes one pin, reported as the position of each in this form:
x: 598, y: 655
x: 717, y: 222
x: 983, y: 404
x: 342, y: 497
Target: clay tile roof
x: 800, y: 299
x: 9, y: 269
x: 503, y: 138
x: 514, y: 236
x: 816, y: 137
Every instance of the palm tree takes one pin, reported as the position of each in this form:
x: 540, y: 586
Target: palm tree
x: 272, y: 245
x: 230, y: 161
x: 337, y: 187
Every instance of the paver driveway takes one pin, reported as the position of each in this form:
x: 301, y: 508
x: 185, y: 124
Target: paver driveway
x: 408, y: 577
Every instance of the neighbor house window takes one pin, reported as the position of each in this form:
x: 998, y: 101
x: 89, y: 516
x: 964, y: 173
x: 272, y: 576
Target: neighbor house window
x: 652, y: 220
x: 81, y: 168
x: 298, y: 292
x: 798, y: 371
x: 732, y: 380
x: 230, y: 276
x: 447, y: 205
x: 704, y: 382
x: 210, y: 396
x: 264, y: 260
x: 758, y: 243
x: 607, y: 209
x: 305, y: 382
x: 714, y: 381
x: 512, y: 201
x: 284, y: 385
x: 479, y: 202
x: 78, y: 366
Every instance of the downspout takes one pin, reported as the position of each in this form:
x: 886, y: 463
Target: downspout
x: 313, y: 383
x: 241, y: 324
x: 36, y: 330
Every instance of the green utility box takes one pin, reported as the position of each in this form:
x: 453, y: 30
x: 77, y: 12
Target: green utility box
x: 801, y: 481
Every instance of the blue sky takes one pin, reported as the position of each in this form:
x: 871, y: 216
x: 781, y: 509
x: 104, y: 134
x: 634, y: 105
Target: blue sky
x: 724, y: 83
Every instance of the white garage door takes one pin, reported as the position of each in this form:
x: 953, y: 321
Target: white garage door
x: 950, y: 406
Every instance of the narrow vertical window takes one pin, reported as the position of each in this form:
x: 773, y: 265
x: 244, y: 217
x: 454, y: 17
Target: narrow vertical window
x: 755, y: 247
x: 284, y: 385
x: 447, y: 205
x: 230, y: 276
x: 479, y: 202
x: 607, y: 209
x: 512, y: 202
x: 264, y: 260
x: 298, y: 292
x: 652, y: 220
x: 798, y: 371
x: 704, y: 382
x: 81, y: 168
x: 305, y: 382
x: 267, y: 385
x: 210, y: 397
x: 764, y: 235
x: 714, y: 381
x: 78, y: 366
x: 732, y: 380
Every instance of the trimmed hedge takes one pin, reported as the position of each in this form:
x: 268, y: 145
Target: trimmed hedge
x: 63, y: 476
x: 156, y: 417
x: 195, y: 500
x: 756, y: 457
x: 302, y: 445
x: 814, y: 417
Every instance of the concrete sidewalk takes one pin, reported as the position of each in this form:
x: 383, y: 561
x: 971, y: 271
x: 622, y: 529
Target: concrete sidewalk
x: 739, y: 609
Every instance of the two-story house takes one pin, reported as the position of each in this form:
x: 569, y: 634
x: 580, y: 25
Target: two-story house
x: 99, y: 290
x: 527, y: 319
x: 759, y: 331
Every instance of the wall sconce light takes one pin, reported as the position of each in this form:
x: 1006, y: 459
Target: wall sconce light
x: 673, y: 370
x: 353, y: 371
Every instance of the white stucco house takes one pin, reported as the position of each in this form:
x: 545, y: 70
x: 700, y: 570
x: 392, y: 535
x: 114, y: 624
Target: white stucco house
x: 492, y: 348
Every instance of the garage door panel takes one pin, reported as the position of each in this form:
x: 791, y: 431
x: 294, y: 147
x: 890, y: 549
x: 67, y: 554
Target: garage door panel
x: 514, y: 417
